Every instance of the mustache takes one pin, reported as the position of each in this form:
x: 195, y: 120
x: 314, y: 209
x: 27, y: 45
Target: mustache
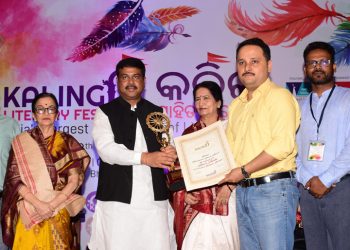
x: 248, y: 73
x: 318, y: 71
x: 131, y: 86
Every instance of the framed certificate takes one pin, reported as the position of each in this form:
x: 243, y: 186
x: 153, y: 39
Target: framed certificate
x: 205, y: 156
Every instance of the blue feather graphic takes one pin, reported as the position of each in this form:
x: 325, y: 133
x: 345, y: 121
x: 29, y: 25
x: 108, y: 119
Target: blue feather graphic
x: 117, y: 25
x: 126, y: 26
x: 151, y: 37
x: 341, y: 43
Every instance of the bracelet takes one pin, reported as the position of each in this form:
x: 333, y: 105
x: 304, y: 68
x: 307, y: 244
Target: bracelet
x: 229, y: 187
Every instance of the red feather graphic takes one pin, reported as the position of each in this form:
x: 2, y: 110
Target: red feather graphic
x: 166, y: 15
x: 297, y: 20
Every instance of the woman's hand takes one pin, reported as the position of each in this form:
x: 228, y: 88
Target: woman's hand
x: 44, y: 209
x: 190, y: 199
x: 223, y: 196
x: 71, y: 186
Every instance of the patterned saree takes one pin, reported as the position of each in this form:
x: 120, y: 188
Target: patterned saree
x: 185, y: 213
x: 43, y: 166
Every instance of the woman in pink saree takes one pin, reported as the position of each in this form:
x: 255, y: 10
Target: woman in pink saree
x: 45, y: 169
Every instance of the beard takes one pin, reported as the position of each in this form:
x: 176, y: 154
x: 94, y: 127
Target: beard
x: 320, y: 77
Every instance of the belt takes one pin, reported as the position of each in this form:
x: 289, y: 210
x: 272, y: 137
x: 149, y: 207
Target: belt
x: 265, y: 179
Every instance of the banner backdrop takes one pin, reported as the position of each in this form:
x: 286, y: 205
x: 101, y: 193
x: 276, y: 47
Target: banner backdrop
x: 70, y: 48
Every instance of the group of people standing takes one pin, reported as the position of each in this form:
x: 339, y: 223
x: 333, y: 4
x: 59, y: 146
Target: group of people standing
x: 271, y: 136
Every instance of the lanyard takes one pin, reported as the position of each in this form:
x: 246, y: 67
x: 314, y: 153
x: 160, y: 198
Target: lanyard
x: 324, y: 107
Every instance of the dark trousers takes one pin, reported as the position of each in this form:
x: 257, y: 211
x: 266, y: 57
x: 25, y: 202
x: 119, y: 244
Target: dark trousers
x: 327, y: 221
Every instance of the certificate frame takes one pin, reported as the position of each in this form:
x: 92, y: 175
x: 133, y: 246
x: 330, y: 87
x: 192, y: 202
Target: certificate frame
x: 205, y: 156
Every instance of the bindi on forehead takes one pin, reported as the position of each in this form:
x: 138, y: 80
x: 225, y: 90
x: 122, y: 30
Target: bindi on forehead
x: 46, y: 101
x: 45, y: 104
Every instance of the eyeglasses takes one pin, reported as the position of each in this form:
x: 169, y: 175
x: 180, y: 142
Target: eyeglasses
x: 324, y: 63
x: 50, y: 110
x: 127, y: 78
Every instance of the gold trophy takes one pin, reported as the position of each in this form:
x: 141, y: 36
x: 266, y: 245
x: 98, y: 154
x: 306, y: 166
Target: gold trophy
x: 159, y: 123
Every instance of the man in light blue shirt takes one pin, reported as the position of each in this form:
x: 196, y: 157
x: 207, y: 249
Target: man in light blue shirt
x: 9, y: 128
x: 323, y: 161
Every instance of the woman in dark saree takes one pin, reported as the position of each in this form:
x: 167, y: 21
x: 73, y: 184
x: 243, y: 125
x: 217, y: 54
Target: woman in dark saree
x: 45, y: 169
x: 206, y: 218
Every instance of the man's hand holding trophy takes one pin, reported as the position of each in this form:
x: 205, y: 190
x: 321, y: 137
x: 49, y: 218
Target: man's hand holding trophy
x: 159, y: 123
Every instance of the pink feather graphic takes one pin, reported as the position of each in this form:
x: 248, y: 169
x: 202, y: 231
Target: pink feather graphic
x: 116, y: 26
x: 297, y: 20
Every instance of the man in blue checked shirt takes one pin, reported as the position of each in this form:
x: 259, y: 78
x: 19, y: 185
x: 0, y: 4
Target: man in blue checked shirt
x: 323, y: 161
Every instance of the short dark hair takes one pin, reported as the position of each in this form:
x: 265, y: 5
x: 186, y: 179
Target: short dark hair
x: 319, y: 45
x: 214, y: 89
x: 131, y: 62
x: 257, y: 42
x: 42, y: 95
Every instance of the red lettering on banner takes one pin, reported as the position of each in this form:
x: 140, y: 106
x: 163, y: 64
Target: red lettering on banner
x: 64, y: 114
x: 84, y: 114
x: 19, y: 115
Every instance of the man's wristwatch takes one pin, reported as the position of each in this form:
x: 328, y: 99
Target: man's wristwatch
x: 244, y: 172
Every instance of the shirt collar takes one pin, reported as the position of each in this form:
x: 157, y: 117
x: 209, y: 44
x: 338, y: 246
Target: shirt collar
x: 262, y: 89
x: 324, y: 94
x: 127, y: 105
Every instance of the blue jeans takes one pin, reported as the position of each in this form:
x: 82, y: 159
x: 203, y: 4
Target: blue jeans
x: 266, y: 215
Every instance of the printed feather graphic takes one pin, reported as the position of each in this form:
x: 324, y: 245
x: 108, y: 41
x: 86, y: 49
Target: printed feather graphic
x: 126, y: 26
x: 341, y: 43
x: 151, y: 37
x: 167, y: 15
x: 297, y: 20
x: 118, y: 24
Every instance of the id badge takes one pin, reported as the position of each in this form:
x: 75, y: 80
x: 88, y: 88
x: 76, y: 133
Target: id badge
x: 316, y: 150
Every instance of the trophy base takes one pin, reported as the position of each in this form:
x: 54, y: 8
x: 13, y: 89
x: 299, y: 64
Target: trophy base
x: 175, y: 181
